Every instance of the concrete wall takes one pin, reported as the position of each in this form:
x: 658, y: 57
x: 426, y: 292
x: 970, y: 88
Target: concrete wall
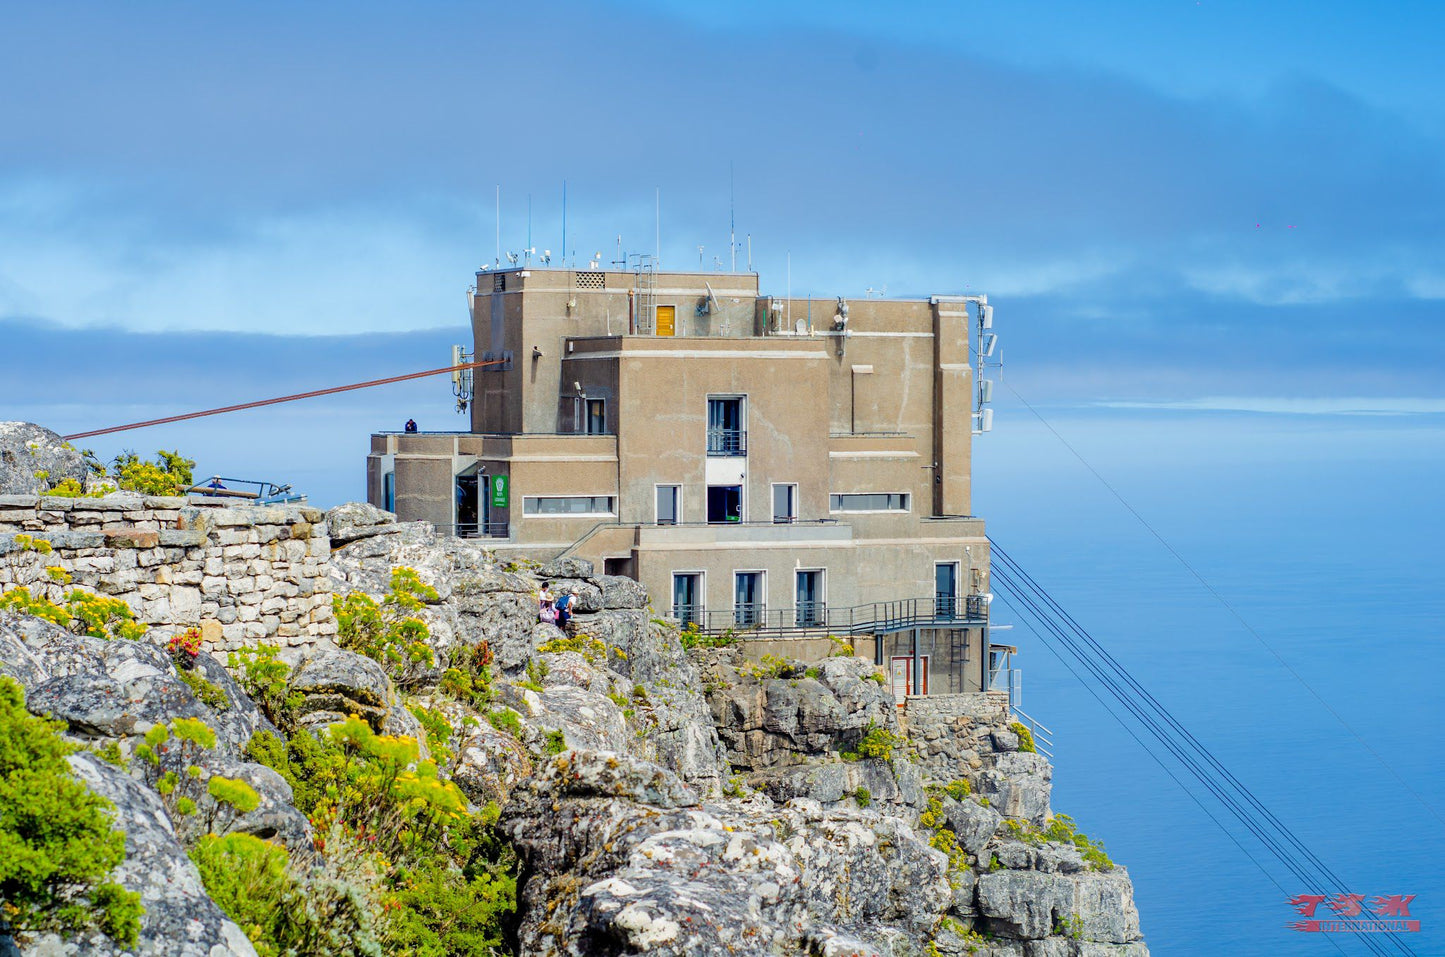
x: 245, y: 575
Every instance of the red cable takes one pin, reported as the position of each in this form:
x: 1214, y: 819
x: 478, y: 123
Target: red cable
x: 285, y: 398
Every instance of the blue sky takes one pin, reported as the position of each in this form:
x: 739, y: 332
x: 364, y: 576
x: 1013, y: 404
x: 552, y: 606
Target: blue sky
x: 1170, y: 202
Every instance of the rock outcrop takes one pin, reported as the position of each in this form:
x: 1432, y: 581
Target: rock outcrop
x: 661, y: 800
x: 34, y: 459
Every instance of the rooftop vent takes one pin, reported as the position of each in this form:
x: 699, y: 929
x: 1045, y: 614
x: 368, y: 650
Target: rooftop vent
x: 591, y: 280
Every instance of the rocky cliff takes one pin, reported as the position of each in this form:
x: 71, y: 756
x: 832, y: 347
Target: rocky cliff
x: 654, y: 799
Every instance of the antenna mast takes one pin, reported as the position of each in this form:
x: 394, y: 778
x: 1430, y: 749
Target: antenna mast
x: 499, y: 224
x: 657, y: 226
x: 564, y: 222
x: 732, y: 220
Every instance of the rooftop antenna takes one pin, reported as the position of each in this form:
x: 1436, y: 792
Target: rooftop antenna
x: 750, y: 252
x: 657, y: 226
x: 619, y: 261
x: 564, y: 222
x: 529, y: 249
x: 732, y: 220
x: 699, y: 258
x: 499, y: 224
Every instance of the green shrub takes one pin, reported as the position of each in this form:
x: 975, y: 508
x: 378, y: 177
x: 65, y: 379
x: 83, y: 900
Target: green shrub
x: 506, y: 721
x: 958, y: 790
x: 264, y: 677
x: 772, y: 666
x: 1026, y: 737
x: 169, y: 474
x: 438, y: 732
x: 1061, y: 830
x: 252, y: 881
x: 877, y: 742
x: 207, y: 693
x: 469, y: 678
x: 863, y: 796
x: 57, y: 843
x: 389, y: 632
x: 556, y: 743
x: 85, y: 613
x: 592, y: 649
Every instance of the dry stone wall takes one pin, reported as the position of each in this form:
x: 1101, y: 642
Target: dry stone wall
x: 243, y: 574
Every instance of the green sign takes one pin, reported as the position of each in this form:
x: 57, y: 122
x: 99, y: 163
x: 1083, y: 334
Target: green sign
x: 501, y: 496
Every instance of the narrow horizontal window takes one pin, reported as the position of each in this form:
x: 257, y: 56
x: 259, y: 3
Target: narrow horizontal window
x: 868, y: 502
x: 567, y: 505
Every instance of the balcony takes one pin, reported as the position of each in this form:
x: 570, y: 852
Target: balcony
x: 727, y: 442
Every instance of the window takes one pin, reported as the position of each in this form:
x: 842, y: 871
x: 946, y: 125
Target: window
x: 596, y: 417
x: 725, y: 434
x: 567, y: 505
x: 785, y: 504
x: 388, y: 491
x: 809, y: 608
x: 669, y: 504
x: 868, y: 502
x: 749, y: 599
x: 687, y: 597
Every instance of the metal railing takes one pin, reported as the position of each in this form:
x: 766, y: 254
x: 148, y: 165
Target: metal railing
x: 1043, y: 735
x: 264, y: 493
x: 479, y: 529
x: 727, y: 442
x: 813, y: 618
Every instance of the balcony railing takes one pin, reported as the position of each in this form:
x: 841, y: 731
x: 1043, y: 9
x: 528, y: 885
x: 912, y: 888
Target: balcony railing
x: 727, y: 442
x: 812, y: 618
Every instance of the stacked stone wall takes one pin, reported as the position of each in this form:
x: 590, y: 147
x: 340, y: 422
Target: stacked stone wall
x: 243, y: 574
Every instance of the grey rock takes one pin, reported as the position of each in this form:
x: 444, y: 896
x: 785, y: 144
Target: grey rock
x: 1018, y: 784
x: 974, y: 824
x: 620, y: 592
x: 566, y: 568
x: 25, y: 449
x: 179, y: 920
x: 337, y: 682
x: 119, y: 689
x: 358, y: 520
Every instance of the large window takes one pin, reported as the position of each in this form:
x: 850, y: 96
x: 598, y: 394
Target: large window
x: 669, y: 504
x: 785, y: 504
x: 725, y: 432
x: 589, y: 416
x: 868, y: 502
x: 567, y: 505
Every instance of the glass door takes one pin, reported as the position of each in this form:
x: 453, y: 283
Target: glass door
x: 945, y: 590
x: 748, y: 599
x: 810, y: 610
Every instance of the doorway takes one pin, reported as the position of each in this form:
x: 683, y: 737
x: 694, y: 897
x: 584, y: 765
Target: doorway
x: 749, y: 601
x: 945, y: 590
x: 902, y: 674
x: 666, y: 320
x: 724, y: 504
x: 810, y: 611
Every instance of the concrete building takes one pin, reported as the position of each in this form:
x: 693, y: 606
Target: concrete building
x: 786, y: 468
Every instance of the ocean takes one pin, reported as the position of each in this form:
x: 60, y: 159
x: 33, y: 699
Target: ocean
x: 1327, y: 534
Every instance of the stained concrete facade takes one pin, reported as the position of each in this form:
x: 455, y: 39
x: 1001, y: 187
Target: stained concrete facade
x: 611, y: 387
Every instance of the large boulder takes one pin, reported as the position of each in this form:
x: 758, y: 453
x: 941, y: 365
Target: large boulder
x: 179, y: 920
x: 119, y: 689
x: 335, y: 684
x: 34, y: 459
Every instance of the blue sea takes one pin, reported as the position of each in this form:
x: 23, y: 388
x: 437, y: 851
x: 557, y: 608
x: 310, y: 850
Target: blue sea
x: 1327, y: 534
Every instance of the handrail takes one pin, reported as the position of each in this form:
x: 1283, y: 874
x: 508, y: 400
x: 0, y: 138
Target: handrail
x: 1043, y: 735
x: 590, y: 532
x: 816, y: 618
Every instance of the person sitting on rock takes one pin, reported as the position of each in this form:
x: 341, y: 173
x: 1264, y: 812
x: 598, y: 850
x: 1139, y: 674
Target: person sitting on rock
x: 546, y: 607
x: 564, y: 604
